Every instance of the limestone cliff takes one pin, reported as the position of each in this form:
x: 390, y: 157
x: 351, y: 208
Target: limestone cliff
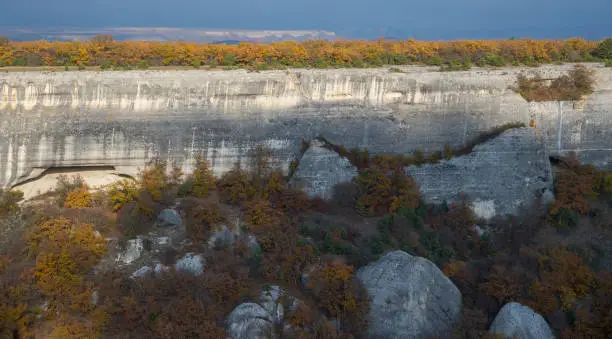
x: 122, y: 119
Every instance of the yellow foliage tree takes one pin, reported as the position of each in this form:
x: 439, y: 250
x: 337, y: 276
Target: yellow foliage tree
x: 79, y: 198
x: 122, y: 192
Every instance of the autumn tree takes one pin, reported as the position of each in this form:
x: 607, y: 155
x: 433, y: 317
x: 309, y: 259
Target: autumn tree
x: 203, y: 178
x: 339, y: 293
x: 9, y: 202
x: 235, y: 187
x: 64, y: 252
x: 79, y: 198
x: 385, y: 188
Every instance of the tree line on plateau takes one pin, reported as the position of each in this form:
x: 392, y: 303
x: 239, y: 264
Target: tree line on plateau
x: 105, y: 52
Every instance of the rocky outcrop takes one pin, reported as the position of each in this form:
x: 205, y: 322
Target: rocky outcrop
x: 499, y: 176
x: 320, y: 169
x: 410, y: 298
x: 191, y: 263
x: 521, y: 322
x: 123, y: 119
x: 260, y: 320
x: 132, y: 251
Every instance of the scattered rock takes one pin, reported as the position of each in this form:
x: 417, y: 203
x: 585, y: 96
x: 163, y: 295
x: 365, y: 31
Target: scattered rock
x: 320, y: 169
x: 517, y: 321
x: 192, y: 263
x: 168, y: 218
x: 133, y: 251
x: 147, y: 271
x: 410, y: 297
x: 142, y: 272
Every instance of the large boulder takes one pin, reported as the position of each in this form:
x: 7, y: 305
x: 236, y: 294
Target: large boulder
x: 169, y: 218
x: 260, y: 320
x: 410, y: 298
x: 517, y: 321
x: 320, y: 169
x: 500, y: 176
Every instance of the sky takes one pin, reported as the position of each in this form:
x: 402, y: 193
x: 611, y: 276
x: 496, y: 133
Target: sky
x: 423, y: 19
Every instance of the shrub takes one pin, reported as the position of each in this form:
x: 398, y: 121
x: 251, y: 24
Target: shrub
x: 64, y: 252
x: 9, y: 202
x: 121, y: 193
x: 203, y: 179
x: 562, y: 280
x: 153, y: 179
x: 608, y: 63
x: 383, y: 189
x: 573, y: 86
x: 573, y: 187
x: 235, y: 187
x: 339, y: 294
x: 285, y: 255
x: 202, y: 216
x: 79, y: 198
x: 186, y: 187
x: 259, y: 213
x: 66, y: 184
x: 142, y: 64
x: 604, y: 49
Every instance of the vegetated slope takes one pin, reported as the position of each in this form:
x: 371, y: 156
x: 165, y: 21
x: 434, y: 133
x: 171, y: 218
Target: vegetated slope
x: 103, y: 51
x: 530, y: 259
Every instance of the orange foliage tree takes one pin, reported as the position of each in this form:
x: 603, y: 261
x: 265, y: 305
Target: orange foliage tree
x: 104, y: 50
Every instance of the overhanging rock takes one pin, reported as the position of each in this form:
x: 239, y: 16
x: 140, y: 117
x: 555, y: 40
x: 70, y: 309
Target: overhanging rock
x: 320, y: 169
x: 499, y: 176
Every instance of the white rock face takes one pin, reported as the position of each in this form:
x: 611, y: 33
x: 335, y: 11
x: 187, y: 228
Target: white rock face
x: 320, y: 169
x: 134, y: 116
x: 521, y: 322
x: 192, y: 263
x: 410, y: 298
x: 133, y: 251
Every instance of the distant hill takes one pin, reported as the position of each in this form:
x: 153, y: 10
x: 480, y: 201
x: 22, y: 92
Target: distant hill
x: 164, y: 34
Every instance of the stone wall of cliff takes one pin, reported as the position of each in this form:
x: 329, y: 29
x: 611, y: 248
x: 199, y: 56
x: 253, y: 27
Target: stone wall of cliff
x: 122, y: 119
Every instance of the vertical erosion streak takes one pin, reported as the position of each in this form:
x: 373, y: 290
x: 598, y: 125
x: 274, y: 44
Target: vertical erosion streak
x: 560, y: 128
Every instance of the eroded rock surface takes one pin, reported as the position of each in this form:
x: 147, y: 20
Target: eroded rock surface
x: 123, y: 119
x: 499, y: 176
x: 320, y: 169
x: 521, y: 322
x: 410, y: 298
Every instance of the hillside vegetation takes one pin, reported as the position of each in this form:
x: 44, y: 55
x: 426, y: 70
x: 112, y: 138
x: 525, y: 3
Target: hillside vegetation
x: 52, y: 283
x: 105, y: 52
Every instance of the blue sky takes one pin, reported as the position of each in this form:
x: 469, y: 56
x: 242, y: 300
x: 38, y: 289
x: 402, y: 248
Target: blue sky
x: 424, y: 19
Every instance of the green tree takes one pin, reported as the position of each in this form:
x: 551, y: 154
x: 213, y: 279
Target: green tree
x: 604, y: 49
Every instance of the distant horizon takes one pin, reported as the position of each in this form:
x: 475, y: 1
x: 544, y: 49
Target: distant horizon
x: 207, y: 34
